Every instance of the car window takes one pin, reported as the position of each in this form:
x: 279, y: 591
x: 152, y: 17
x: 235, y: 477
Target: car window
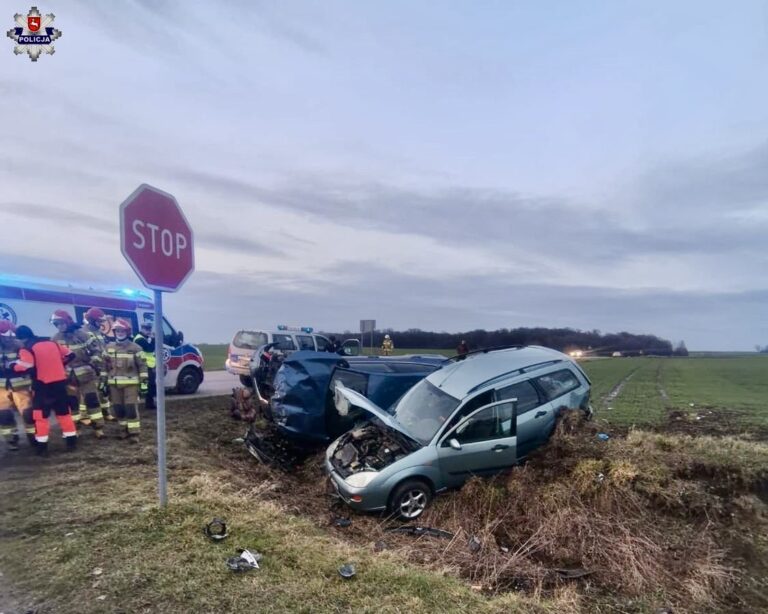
x: 524, y: 392
x: 493, y: 422
x: 558, y: 383
x: 322, y: 343
x: 484, y: 398
x: 305, y: 342
x: 423, y: 410
x: 283, y: 342
x: 351, y: 379
x: 249, y: 340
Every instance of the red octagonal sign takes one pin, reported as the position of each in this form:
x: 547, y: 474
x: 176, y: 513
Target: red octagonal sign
x: 156, y: 239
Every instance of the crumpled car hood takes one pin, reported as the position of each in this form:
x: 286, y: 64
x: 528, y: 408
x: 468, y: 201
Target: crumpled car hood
x: 345, y: 397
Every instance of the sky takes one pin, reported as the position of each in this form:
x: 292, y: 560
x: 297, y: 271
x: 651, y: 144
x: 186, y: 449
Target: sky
x: 438, y: 165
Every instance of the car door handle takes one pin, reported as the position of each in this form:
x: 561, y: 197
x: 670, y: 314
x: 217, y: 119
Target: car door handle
x: 499, y: 447
x: 539, y: 414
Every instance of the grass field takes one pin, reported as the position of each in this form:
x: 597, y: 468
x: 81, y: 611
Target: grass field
x: 643, y: 390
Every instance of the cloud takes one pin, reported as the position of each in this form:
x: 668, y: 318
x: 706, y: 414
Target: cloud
x: 66, y: 217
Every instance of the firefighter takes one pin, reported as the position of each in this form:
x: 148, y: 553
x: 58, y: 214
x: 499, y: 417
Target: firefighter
x: 146, y: 341
x: 83, y: 370
x: 95, y: 320
x: 15, y: 390
x: 387, y: 346
x: 44, y: 362
x: 127, y: 373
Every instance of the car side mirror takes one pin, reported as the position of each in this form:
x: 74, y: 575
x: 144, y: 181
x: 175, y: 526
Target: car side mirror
x: 454, y: 443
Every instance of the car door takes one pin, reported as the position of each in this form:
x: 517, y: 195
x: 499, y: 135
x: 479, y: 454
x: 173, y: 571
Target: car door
x: 535, y: 415
x: 486, y: 444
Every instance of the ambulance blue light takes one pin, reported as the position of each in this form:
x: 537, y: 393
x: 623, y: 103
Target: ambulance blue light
x: 128, y: 291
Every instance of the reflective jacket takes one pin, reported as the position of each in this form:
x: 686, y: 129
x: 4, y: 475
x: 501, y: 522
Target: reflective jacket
x: 45, y: 359
x: 125, y: 363
x: 148, y: 349
x: 87, y: 362
x: 9, y: 352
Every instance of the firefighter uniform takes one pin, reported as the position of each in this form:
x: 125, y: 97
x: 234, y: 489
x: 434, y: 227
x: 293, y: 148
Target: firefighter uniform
x: 147, y: 344
x: 15, y: 390
x: 83, y: 373
x: 387, y: 346
x: 44, y: 362
x: 126, y: 372
x: 93, y: 328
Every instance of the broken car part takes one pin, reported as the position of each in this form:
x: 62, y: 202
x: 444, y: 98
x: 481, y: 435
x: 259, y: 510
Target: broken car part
x: 347, y: 571
x: 216, y: 529
x: 246, y: 561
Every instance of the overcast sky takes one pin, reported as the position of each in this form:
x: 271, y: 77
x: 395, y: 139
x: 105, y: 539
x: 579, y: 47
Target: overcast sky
x: 440, y: 165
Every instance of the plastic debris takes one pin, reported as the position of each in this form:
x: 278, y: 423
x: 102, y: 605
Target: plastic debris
x: 347, y: 571
x: 599, y: 478
x: 97, y: 571
x: 246, y: 561
x: 216, y: 530
x: 341, y: 522
x: 603, y: 436
x: 101, y: 597
x: 419, y: 531
x: 475, y: 544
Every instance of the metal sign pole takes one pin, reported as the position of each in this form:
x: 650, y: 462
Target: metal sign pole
x: 160, y: 399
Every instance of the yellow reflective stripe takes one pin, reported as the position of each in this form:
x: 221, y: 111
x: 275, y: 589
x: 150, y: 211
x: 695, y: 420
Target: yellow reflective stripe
x: 74, y: 346
x: 123, y: 381
x: 133, y: 426
x: 29, y: 430
x: 21, y: 383
x: 6, y: 431
x: 122, y: 354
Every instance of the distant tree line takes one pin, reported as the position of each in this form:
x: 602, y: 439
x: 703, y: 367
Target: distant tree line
x: 564, y: 339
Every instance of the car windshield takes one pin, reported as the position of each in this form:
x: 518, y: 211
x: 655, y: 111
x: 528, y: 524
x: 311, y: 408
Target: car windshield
x: 249, y: 340
x: 423, y: 409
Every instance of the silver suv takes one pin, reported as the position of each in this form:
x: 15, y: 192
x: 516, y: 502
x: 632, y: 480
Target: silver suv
x: 287, y: 339
x: 474, y: 416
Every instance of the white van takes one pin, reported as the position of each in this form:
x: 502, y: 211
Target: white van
x: 287, y: 339
x: 32, y: 303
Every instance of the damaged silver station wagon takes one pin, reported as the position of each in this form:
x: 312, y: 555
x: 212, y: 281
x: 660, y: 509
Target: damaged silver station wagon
x: 476, y: 415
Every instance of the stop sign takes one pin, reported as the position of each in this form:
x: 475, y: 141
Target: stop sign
x: 156, y: 239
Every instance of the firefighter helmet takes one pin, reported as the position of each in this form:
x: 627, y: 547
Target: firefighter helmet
x: 7, y: 327
x: 94, y: 315
x: 121, y: 324
x: 60, y: 315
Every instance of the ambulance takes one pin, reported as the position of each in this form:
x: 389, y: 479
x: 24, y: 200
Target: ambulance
x: 32, y: 303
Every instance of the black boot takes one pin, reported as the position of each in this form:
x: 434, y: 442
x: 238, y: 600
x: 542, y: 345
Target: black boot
x: 71, y: 443
x: 13, y: 443
x: 31, y: 439
x: 42, y: 448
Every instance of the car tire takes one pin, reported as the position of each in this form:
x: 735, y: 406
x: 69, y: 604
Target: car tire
x: 247, y: 381
x: 410, y: 499
x: 188, y: 381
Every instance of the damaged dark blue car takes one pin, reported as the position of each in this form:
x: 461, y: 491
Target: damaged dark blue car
x: 302, y: 406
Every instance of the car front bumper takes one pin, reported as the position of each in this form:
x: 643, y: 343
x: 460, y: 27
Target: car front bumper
x: 360, y: 499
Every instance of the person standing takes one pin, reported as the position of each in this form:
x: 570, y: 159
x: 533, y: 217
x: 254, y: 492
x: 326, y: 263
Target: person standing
x: 95, y: 319
x: 83, y: 370
x: 15, y: 389
x: 463, y: 349
x: 387, y: 346
x: 44, y: 362
x: 127, y: 371
x: 334, y: 346
x: 145, y: 339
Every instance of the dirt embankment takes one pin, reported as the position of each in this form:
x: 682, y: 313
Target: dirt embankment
x: 645, y: 518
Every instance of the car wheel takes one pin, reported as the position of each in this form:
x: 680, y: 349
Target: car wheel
x: 188, y: 381
x: 246, y: 380
x: 410, y: 499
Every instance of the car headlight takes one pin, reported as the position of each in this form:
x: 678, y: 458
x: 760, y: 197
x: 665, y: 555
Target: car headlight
x: 362, y: 479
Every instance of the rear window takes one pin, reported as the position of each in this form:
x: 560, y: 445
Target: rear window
x: 558, y: 383
x: 249, y: 339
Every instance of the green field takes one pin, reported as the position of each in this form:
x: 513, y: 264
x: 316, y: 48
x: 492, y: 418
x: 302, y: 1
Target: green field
x: 651, y: 387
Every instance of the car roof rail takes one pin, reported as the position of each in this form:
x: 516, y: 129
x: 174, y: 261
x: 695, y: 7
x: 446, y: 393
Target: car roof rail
x: 495, y: 348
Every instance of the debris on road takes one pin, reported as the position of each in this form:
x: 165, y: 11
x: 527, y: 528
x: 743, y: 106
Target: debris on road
x: 347, y: 571
x: 419, y: 531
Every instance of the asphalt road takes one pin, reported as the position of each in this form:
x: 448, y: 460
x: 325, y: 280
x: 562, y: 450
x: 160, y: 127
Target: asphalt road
x: 214, y: 383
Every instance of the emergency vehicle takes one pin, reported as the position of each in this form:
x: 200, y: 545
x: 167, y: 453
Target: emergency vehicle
x: 32, y: 303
